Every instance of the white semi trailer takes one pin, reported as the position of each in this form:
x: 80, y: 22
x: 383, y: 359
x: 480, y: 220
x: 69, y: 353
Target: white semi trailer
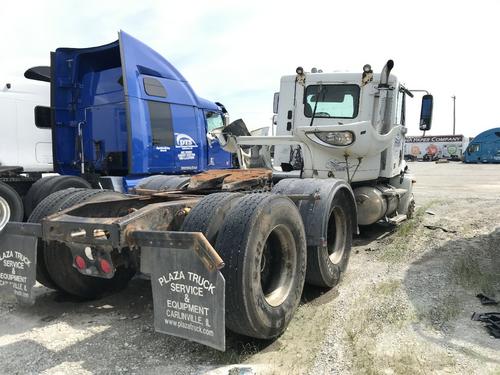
x: 25, y: 142
x: 26, y: 146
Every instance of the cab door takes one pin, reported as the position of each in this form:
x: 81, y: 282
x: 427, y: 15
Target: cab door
x: 161, y: 112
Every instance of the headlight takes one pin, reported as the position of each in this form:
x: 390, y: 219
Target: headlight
x: 339, y: 138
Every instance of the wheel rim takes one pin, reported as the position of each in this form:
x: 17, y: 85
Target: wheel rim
x: 4, y: 213
x: 278, y: 265
x: 336, y: 235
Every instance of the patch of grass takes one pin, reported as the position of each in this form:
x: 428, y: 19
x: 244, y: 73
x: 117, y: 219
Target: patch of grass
x: 401, y: 243
x: 382, y: 309
x: 387, y: 288
x: 467, y: 272
x: 411, y: 359
x: 442, y: 312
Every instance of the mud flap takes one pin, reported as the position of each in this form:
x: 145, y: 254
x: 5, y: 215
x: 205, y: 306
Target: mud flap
x: 18, y: 244
x: 188, y: 288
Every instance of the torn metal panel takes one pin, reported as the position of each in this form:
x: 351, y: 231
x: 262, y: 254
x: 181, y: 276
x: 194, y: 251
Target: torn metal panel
x: 230, y: 179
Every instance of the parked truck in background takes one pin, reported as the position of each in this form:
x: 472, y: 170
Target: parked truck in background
x: 224, y: 247
x: 484, y: 148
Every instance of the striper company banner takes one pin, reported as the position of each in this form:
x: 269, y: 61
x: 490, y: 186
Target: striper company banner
x: 434, y: 138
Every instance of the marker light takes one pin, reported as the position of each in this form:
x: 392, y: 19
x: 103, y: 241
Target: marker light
x: 367, y: 68
x: 299, y: 70
x: 336, y: 138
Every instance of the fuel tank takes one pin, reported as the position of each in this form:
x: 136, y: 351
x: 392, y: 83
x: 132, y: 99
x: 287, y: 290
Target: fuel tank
x: 375, y: 203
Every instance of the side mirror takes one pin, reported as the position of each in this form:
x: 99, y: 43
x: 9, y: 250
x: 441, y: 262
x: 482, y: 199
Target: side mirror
x: 276, y: 101
x: 426, y: 113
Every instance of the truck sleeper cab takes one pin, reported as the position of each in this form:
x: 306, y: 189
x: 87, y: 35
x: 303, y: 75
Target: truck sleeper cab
x: 123, y: 110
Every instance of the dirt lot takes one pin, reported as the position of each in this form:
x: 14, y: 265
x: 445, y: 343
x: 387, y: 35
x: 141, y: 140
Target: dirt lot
x: 404, y: 305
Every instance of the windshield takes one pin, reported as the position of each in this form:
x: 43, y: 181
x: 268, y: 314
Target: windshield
x: 340, y: 101
x: 214, y: 120
x: 473, y: 148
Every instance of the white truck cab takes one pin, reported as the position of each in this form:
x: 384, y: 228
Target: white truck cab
x: 342, y: 118
x: 346, y: 126
x: 25, y: 130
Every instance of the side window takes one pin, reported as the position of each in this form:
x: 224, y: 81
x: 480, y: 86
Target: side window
x: 214, y: 120
x: 42, y: 117
x: 154, y: 87
x: 473, y: 148
x: 160, y: 116
x: 401, y: 109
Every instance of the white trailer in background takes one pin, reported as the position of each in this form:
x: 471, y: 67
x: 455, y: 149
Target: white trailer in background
x: 26, y: 146
x: 25, y: 139
x: 25, y: 142
x: 434, y: 147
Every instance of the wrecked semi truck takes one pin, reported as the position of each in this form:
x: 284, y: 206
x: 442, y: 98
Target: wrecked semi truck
x: 228, y: 248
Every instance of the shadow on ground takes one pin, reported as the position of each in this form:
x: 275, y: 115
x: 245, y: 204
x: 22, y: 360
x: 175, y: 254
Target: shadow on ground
x: 442, y: 286
x: 106, y: 335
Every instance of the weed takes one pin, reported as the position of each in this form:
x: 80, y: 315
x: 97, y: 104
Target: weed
x: 442, y: 312
x: 400, y: 243
x: 387, y: 288
x: 374, y: 309
x: 467, y: 272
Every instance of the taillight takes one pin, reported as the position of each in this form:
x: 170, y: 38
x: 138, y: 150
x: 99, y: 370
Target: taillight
x: 80, y: 262
x: 105, y: 266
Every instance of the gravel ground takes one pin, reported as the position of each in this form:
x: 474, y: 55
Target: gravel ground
x: 406, y: 301
x: 404, y: 305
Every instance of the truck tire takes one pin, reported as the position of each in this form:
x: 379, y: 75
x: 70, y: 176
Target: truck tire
x: 49, y: 185
x: 33, y: 194
x: 48, y: 206
x: 263, y: 245
x: 163, y: 183
x: 11, y: 205
x: 326, y: 264
x: 209, y: 214
x: 59, y: 260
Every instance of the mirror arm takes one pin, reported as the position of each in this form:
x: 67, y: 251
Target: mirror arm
x: 406, y: 91
x: 426, y: 92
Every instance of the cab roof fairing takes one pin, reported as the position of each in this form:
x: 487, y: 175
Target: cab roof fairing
x: 133, y: 55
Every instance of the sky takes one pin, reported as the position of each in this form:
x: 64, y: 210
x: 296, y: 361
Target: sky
x: 235, y: 52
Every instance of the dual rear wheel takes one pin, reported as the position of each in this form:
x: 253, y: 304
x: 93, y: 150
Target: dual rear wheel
x: 54, y: 267
x: 262, y: 240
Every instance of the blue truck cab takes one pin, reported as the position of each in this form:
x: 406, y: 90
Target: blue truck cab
x: 122, y: 109
x: 485, y: 148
